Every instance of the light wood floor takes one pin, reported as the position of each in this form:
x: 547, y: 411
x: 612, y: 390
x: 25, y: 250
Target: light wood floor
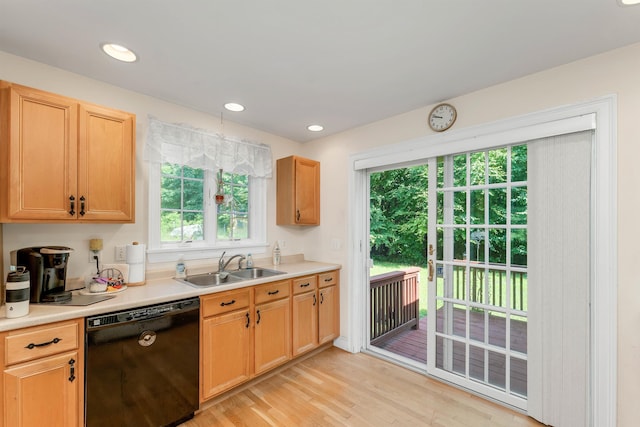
x: 337, y: 388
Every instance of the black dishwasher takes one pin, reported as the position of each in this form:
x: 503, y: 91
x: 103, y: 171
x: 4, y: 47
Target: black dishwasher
x: 142, y: 365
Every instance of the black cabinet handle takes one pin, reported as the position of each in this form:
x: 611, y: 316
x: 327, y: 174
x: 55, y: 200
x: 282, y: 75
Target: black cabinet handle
x: 314, y: 299
x: 72, y: 203
x: 222, y: 304
x: 258, y: 321
x: 297, y: 215
x: 31, y: 346
x: 273, y: 292
x: 72, y: 370
x: 329, y: 279
x: 248, y: 320
x: 304, y: 285
x: 321, y: 297
x: 82, y: 200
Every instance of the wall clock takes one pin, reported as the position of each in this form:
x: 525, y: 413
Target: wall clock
x: 442, y: 117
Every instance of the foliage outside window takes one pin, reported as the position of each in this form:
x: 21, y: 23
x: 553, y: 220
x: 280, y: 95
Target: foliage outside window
x: 233, y: 213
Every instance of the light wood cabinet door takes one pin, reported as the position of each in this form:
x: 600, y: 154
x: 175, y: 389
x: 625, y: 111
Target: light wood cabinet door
x: 106, y: 164
x: 226, y: 352
x: 44, y: 392
x: 272, y: 335
x: 39, y: 160
x: 304, y: 310
x: 328, y: 314
x: 297, y: 191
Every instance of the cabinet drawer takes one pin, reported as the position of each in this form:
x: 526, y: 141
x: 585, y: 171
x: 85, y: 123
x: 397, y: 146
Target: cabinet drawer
x: 328, y: 279
x: 304, y: 284
x: 40, y: 341
x: 224, y: 302
x: 272, y: 291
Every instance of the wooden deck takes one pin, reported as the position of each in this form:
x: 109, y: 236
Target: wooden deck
x: 412, y: 343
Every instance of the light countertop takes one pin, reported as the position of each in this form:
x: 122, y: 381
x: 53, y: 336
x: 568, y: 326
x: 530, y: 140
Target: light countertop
x: 155, y: 291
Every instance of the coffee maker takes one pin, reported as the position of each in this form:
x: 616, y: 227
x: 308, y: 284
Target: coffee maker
x: 47, y: 266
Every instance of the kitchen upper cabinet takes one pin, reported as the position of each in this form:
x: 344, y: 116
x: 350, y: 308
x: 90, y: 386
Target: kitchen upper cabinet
x: 64, y: 160
x: 298, y: 191
x: 43, y: 376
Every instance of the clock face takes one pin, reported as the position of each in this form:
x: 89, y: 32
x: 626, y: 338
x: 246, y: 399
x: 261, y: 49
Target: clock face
x: 442, y: 117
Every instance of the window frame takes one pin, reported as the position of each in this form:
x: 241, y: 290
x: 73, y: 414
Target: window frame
x: 209, y: 247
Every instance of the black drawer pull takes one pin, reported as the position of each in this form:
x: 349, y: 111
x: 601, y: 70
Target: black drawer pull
x: 44, y: 344
x: 273, y: 292
x: 304, y: 285
x: 329, y: 279
x: 72, y: 370
x: 222, y: 304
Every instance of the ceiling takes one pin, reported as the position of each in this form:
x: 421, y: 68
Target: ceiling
x: 339, y: 63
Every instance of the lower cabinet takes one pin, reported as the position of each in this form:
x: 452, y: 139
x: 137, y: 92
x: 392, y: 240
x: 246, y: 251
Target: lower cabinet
x: 43, y: 375
x: 247, y: 332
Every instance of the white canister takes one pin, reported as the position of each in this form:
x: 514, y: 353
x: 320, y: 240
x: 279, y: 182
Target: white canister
x: 17, y: 293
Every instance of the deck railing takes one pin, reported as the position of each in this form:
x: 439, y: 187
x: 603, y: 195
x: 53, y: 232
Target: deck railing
x: 395, y: 302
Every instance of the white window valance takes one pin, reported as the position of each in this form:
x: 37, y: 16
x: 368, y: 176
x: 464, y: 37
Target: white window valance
x: 199, y: 148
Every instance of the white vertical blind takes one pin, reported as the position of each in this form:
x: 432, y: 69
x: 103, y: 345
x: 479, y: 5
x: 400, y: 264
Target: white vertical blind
x: 559, y: 179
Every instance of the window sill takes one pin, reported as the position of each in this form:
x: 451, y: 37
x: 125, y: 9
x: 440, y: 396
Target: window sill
x: 193, y: 252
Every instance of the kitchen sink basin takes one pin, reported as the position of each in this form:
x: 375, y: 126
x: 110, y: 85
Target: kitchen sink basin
x: 211, y: 279
x: 254, y: 273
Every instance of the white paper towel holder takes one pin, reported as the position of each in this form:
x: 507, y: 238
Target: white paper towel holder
x: 133, y: 267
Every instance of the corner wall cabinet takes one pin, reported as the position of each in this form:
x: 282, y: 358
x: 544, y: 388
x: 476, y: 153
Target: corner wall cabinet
x: 248, y: 332
x: 64, y: 160
x: 43, y: 375
x: 297, y: 191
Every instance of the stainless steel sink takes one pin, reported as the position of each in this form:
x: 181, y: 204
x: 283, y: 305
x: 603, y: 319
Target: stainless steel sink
x: 211, y: 279
x: 254, y: 273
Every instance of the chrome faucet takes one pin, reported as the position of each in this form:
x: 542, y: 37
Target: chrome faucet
x: 222, y: 264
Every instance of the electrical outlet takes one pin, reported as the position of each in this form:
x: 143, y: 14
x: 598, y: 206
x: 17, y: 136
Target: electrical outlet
x: 92, y: 254
x: 121, y: 253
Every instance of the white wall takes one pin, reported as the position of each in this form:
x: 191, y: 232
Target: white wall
x: 614, y: 72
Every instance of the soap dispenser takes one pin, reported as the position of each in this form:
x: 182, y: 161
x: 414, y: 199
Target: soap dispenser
x: 276, y: 254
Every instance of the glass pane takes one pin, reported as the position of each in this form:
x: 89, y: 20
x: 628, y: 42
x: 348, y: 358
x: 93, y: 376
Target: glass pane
x: 460, y: 207
x: 193, y: 228
x: 476, y: 284
x: 518, y: 376
x: 519, y: 205
x: 477, y: 207
x: 459, y: 243
x: 497, y: 280
x: 476, y: 363
x: 460, y: 170
x: 519, y: 247
x: 193, y: 173
x: 241, y: 229
x: 519, y: 291
x: 458, y: 290
x: 498, y: 166
x: 171, y: 169
x: 440, y: 243
x: 440, y: 207
x: 519, y: 163
x: 497, y: 245
x: 477, y: 325
x: 456, y: 362
x: 440, y: 168
x: 193, y: 194
x: 497, y: 329
x: 518, y: 334
x: 171, y: 193
x: 170, y: 226
x: 498, y: 206
x: 477, y: 239
x: 478, y: 168
x: 224, y: 225
x: 497, y: 369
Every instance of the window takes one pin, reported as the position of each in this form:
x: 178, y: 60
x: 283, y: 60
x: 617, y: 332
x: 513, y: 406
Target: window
x: 190, y: 171
x: 185, y: 218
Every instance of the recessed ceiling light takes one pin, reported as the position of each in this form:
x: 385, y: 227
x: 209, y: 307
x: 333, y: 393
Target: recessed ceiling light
x: 315, y: 128
x: 232, y: 106
x: 628, y: 2
x: 119, y: 52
